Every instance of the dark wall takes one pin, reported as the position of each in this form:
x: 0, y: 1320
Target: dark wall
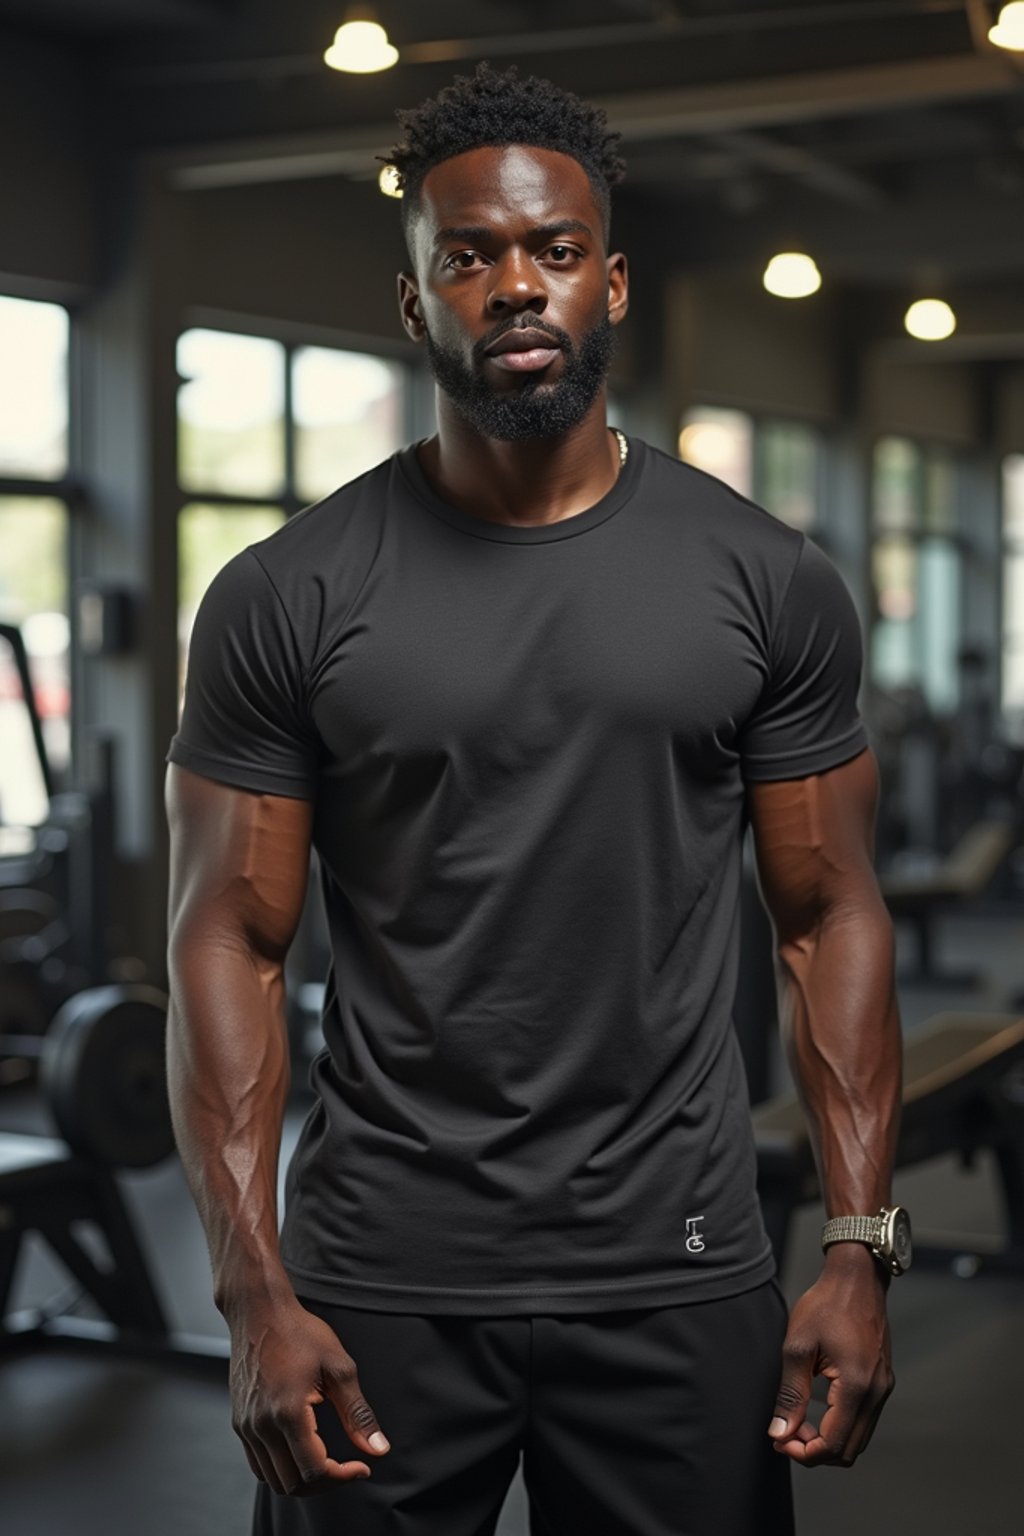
x: 318, y: 253
x: 49, y: 211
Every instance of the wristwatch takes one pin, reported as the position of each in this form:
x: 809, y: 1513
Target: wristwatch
x: 887, y: 1235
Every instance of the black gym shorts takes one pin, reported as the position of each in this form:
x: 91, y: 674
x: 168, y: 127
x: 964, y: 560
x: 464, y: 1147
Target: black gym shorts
x: 645, y: 1422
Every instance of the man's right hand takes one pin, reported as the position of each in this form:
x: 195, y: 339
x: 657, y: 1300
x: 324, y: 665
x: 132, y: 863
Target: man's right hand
x: 284, y: 1360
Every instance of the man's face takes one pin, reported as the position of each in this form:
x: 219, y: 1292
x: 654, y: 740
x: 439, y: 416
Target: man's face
x: 512, y: 292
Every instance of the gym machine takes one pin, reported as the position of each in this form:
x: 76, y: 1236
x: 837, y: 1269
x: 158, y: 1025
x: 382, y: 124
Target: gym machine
x: 963, y: 1092
x: 95, y: 1048
x: 55, y: 876
x: 951, y: 810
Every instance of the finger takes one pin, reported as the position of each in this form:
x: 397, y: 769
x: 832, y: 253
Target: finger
x: 249, y: 1448
x: 254, y: 1466
x: 322, y: 1467
x: 300, y: 1455
x: 873, y: 1423
x: 802, y: 1436
x: 274, y: 1449
x: 341, y: 1384
x: 265, y: 1469
x: 836, y: 1428
x: 794, y: 1392
x: 864, y: 1428
x: 851, y: 1402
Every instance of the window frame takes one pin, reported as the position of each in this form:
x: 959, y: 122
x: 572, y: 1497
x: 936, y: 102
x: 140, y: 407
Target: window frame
x: 916, y: 535
x: 759, y: 420
x: 1011, y: 719
x: 69, y: 490
x: 293, y: 337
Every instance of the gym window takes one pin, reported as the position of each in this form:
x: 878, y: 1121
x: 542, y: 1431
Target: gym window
x: 1012, y: 670
x: 916, y: 572
x: 34, y: 492
x: 779, y: 464
x: 265, y: 427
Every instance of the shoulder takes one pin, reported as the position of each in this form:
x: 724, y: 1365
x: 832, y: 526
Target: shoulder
x: 320, y: 555
x: 313, y: 566
x: 742, y: 531
x: 345, y: 516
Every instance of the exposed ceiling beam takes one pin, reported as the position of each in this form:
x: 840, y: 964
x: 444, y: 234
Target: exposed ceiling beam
x: 739, y: 104
x: 85, y: 16
x: 725, y: 107
x: 671, y: 26
x: 946, y: 234
x: 961, y: 347
x: 760, y: 149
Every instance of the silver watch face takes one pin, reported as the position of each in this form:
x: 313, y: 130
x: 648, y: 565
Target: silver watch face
x: 900, y: 1244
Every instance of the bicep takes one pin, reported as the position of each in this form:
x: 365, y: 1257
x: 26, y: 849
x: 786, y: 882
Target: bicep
x: 239, y: 862
x: 814, y: 841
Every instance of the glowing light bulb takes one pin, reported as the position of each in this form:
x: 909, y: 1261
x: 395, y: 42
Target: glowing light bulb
x: 792, y: 275
x: 1008, y: 31
x: 388, y: 181
x: 930, y: 320
x: 361, y: 48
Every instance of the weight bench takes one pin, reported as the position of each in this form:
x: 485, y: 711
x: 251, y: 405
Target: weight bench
x: 47, y: 1188
x: 963, y: 1090
x: 961, y: 876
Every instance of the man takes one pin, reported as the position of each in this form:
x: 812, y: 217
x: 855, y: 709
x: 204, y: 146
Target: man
x: 523, y: 686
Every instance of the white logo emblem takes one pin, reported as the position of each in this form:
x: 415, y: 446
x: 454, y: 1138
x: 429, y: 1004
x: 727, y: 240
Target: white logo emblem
x: 694, y: 1240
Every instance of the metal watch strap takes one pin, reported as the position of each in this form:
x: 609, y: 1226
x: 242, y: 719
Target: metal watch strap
x: 852, y: 1229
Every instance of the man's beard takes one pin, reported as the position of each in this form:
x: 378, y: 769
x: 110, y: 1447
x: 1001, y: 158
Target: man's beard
x: 534, y: 408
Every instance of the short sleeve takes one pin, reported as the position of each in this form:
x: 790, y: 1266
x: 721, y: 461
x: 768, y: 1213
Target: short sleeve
x: 243, y: 719
x: 806, y: 719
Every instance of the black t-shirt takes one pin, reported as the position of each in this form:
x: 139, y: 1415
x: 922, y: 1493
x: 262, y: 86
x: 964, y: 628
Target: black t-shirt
x: 527, y: 749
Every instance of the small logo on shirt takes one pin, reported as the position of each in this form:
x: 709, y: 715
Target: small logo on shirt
x: 694, y: 1239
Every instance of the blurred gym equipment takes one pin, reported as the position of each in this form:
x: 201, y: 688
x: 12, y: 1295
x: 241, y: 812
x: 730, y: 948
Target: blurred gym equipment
x: 55, y: 873
x: 963, y: 1090
x: 95, y: 1046
x: 937, y: 886
x: 103, y: 1074
x: 951, y: 809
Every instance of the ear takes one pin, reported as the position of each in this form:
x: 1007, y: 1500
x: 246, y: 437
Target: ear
x: 618, y: 288
x: 409, y: 306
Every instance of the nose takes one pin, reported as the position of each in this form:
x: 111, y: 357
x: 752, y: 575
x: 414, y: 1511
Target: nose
x: 516, y: 283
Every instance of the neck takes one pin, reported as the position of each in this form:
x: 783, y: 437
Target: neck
x: 529, y: 481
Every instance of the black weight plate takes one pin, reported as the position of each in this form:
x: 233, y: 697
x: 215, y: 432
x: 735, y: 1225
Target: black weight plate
x: 104, y: 1072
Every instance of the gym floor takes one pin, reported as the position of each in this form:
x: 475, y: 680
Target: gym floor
x: 92, y: 1444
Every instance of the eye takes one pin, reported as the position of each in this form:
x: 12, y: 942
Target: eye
x: 564, y: 255
x: 462, y: 261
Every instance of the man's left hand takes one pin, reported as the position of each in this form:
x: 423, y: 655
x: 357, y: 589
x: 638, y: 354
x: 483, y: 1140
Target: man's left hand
x: 838, y: 1329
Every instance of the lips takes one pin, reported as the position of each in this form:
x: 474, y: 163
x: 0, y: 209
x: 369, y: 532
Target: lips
x: 523, y: 351
x: 525, y: 340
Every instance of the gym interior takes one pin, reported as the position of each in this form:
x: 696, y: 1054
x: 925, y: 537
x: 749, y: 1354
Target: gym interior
x: 199, y: 336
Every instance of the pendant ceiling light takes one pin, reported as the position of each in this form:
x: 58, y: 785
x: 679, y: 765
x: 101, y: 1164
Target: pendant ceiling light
x: 361, y: 45
x: 388, y: 181
x: 792, y: 275
x: 1008, y: 31
x: 930, y: 320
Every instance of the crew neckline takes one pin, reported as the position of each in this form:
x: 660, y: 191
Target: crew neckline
x: 508, y: 533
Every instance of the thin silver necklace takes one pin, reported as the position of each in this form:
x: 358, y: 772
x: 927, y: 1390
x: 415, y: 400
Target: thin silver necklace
x: 623, y: 446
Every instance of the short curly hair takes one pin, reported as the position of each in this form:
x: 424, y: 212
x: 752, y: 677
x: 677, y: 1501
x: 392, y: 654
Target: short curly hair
x: 497, y: 107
